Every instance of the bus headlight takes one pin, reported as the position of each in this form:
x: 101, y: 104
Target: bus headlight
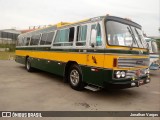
x: 123, y: 74
x: 118, y: 74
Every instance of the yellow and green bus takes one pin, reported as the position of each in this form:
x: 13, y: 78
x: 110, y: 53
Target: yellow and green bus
x: 101, y: 52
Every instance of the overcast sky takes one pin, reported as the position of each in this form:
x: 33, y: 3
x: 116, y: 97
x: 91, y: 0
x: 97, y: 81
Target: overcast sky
x: 24, y: 13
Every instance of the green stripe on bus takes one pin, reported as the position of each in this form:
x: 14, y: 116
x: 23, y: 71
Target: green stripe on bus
x: 58, y: 67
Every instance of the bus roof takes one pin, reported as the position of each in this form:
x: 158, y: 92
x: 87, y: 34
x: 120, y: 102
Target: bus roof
x: 63, y: 24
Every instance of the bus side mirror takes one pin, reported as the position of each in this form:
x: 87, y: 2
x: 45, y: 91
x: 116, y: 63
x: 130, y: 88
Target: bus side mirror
x: 93, y: 37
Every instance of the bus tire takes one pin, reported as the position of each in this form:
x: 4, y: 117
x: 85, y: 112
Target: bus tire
x: 28, y: 65
x: 75, y: 78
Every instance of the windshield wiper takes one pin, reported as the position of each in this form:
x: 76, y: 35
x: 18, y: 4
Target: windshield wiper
x: 132, y: 35
x: 139, y: 36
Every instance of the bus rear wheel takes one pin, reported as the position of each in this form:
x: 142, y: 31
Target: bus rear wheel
x: 28, y: 65
x: 75, y: 78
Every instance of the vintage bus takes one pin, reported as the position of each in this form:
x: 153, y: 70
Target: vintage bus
x: 153, y: 53
x: 101, y: 52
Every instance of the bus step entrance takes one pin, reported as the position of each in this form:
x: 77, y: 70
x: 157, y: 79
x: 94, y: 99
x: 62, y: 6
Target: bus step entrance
x: 92, y: 88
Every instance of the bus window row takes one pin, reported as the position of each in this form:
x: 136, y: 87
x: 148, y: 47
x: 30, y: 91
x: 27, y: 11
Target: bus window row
x: 64, y: 37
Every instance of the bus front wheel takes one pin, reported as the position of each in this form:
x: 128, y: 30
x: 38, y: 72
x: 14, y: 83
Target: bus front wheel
x: 75, y: 78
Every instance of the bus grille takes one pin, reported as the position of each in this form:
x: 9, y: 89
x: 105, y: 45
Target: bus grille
x: 131, y: 73
x: 132, y: 62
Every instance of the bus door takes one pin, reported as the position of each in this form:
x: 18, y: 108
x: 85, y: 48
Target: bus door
x: 95, y: 56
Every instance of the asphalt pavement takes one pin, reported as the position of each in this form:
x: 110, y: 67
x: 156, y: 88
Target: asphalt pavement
x: 42, y: 91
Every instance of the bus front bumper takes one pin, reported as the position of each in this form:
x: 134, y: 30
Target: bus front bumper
x: 128, y: 83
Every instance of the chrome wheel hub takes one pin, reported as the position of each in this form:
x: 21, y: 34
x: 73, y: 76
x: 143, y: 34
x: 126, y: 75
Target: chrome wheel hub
x: 74, y: 77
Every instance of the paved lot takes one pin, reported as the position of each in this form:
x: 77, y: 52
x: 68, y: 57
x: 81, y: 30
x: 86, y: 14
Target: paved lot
x: 21, y: 90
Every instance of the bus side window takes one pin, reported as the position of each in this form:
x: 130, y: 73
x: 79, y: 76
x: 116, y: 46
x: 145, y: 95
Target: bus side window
x: 64, y: 35
x: 24, y: 41
x: 57, y: 38
x: 27, y: 41
x: 62, y: 38
x: 98, y: 37
x: 49, y: 38
x: 71, y: 34
x: 43, y: 38
x: 32, y: 40
x: 93, y: 26
x: 82, y: 34
x: 35, y: 40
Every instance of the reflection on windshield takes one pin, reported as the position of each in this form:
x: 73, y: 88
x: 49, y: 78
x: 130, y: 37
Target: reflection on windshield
x: 124, y: 35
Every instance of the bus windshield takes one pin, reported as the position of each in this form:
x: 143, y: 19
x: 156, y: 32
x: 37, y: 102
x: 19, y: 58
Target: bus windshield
x: 120, y: 34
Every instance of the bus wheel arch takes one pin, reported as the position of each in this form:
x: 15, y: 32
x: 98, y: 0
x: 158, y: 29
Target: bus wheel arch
x: 73, y: 75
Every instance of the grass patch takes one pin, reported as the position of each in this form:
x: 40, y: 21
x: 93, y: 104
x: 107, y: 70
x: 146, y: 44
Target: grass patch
x: 7, y: 55
x: 10, y: 46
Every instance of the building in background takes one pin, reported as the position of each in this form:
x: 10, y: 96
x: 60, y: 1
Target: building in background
x: 9, y: 36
